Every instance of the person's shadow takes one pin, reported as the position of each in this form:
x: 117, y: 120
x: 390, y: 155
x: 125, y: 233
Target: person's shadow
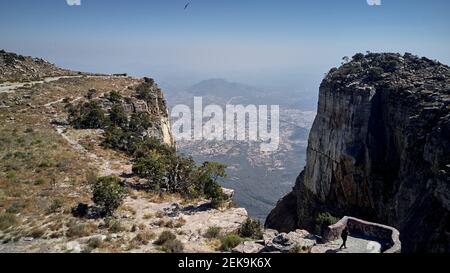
x: 332, y: 251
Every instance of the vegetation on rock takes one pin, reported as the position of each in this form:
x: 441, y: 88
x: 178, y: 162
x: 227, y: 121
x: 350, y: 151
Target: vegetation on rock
x: 324, y: 220
x: 230, y: 241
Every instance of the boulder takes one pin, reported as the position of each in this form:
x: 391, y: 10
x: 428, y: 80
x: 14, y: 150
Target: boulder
x: 229, y: 193
x: 286, y: 242
x: 248, y: 247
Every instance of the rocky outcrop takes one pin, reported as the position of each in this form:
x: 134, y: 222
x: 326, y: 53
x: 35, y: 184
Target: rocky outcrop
x: 299, y: 241
x: 292, y: 242
x: 145, y: 98
x: 18, y: 68
x: 378, y: 150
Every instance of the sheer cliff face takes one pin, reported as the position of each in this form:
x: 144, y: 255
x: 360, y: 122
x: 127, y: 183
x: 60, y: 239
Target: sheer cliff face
x: 158, y: 108
x: 379, y: 150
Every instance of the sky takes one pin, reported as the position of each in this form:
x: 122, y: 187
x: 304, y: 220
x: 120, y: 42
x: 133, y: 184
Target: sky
x: 284, y: 44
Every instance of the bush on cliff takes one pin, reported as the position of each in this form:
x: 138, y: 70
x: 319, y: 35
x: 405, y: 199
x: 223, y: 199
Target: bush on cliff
x: 323, y: 221
x: 164, y: 168
x: 88, y: 115
x: 230, y: 241
x: 251, y: 228
x: 115, y: 97
x: 139, y: 123
x: 144, y: 91
x: 118, y: 117
x: 169, y: 242
x: 108, y: 193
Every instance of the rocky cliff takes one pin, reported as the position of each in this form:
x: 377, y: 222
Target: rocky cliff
x: 145, y: 97
x: 379, y: 150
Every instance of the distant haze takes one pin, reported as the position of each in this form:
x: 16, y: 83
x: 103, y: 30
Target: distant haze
x: 286, y: 45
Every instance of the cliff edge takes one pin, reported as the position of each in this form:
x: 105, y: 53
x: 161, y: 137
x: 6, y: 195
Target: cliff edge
x: 378, y: 150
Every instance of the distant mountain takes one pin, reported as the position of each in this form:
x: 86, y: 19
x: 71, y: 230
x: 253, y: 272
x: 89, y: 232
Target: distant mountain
x: 223, y: 88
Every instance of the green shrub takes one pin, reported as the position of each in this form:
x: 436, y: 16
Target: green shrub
x: 144, y: 91
x: 11, y: 175
x: 115, y: 97
x: 217, y: 202
x: 108, y: 193
x: 213, y: 232
x: 139, y: 123
x: 117, y: 116
x: 230, y: 241
x: 39, y: 181
x: 169, y: 243
x: 251, y: 228
x: 324, y: 220
x: 88, y: 115
x: 46, y: 164
x: 152, y: 167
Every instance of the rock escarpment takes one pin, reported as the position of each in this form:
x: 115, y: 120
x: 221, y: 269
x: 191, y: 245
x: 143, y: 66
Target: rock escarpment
x: 379, y: 150
x: 150, y: 100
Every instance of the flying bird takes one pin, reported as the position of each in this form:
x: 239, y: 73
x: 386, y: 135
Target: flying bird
x: 187, y: 5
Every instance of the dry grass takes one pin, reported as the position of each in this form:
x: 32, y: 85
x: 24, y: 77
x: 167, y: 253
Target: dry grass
x: 144, y: 237
x: 40, y: 173
x: 77, y: 229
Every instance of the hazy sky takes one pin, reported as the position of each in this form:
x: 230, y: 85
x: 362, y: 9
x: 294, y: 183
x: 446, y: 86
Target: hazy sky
x: 287, y: 43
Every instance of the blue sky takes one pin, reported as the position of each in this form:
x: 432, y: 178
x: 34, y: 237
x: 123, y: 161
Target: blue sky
x: 278, y: 43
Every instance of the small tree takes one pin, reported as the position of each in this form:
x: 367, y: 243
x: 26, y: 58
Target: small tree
x: 145, y: 91
x: 117, y: 116
x: 108, y: 193
x: 251, y: 228
x: 324, y: 220
x: 152, y: 167
x: 207, y: 177
x: 139, y: 122
x: 115, y: 97
x: 358, y: 57
x: 87, y: 116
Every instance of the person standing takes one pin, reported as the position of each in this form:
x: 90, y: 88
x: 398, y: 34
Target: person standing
x: 344, y: 236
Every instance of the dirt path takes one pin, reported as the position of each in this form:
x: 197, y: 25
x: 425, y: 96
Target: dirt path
x: 11, y: 87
